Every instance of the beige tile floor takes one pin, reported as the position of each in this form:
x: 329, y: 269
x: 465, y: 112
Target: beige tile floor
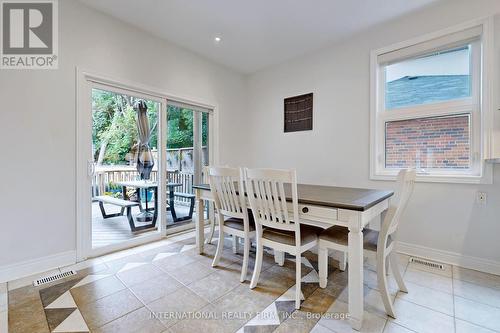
x: 167, y: 287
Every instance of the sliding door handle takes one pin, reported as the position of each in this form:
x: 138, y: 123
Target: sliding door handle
x: 90, y: 168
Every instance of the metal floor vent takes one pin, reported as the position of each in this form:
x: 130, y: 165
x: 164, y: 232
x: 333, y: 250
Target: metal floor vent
x: 53, y: 278
x: 427, y: 263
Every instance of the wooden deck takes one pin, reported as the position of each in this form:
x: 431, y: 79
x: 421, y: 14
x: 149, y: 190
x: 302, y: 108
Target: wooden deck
x: 116, y: 229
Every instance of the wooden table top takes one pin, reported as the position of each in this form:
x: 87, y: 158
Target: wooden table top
x: 358, y: 199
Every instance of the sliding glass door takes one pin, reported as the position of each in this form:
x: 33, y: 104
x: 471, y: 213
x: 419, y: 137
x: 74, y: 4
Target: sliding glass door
x: 139, y: 155
x: 125, y: 164
x: 187, y: 153
x: 121, y: 134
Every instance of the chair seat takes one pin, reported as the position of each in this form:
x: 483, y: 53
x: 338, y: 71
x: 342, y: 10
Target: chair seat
x: 339, y: 235
x: 308, y: 234
x: 236, y: 223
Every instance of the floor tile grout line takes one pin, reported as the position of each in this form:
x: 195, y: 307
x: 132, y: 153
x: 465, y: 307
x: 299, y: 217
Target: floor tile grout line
x: 264, y: 307
x: 478, y: 325
x: 273, y: 301
x: 216, y: 299
x: 327, y: 328
x: 385, y: 325
x: 400, y: 325
x: 409, y: 301
x: 426, y: 307
x: 143, y: 306
x: 476, y: 301
x: 177, y: 322
x: 126, y: 288
x: 479, y: 284
x: 108, y: 322
x: 427, y: 287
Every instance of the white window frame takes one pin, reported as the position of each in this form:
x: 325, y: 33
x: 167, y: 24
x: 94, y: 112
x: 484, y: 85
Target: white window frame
x: 477, y: 106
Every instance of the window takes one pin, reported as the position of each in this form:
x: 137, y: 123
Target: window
x: 427, y: 107
x: 438, y: 77
x: 428, y: 143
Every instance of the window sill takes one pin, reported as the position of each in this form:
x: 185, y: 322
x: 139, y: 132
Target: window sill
x: 486, y: 178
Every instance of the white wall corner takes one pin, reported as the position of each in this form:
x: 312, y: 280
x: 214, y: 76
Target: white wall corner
x: 35, y: 266
x: 452, y: 258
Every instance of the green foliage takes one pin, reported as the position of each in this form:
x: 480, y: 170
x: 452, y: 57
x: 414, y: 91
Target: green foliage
x: 114, y: 186
x: 120, y: 137
x: 180, y: 127
x: 114, y: 124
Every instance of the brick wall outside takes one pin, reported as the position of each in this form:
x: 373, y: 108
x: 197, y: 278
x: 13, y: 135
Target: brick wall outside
x: 438, y: 143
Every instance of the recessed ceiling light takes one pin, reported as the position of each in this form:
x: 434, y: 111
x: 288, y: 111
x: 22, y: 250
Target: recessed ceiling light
x: 217, y: 39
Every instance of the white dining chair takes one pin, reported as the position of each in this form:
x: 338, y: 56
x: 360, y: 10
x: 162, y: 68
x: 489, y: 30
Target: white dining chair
x: 277, y: 228
x: 379, y: 243
x: 226, y: 185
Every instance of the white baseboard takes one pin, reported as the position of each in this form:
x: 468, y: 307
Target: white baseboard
x: 35, y: 266
x: 453, y: 258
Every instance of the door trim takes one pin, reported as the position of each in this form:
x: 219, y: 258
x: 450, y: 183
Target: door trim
x: 84, y: 81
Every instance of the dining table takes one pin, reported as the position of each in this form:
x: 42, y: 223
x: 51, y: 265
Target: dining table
x: 326, y: 206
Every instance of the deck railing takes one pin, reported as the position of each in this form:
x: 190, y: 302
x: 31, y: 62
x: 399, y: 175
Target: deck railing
x: 179, y: 170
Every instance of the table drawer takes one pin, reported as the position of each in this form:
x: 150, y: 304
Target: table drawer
x: 311, y: 212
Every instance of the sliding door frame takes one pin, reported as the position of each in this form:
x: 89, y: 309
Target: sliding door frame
x: 85, y: 82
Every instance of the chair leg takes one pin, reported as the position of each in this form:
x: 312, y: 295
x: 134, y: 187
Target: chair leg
x: 323, y: 266
x: 212, y: 225
x: 298, y: 280
x: 343, y: 261
x: 220, y: 246
x: 387, y: 267
x: 393, y: 259
x: 246, y: 253
x: 258, y: 265
x: 236, y: 243
x: 382, y: 284
x: 191, y: 209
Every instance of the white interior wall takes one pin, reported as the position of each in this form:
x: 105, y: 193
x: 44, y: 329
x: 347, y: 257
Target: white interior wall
x: 37, y: 201
x: 37, y: 119
x: 445, y: 217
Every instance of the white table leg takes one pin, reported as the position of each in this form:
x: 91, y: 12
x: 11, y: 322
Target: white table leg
x: 236, y: 244
x: 279, y: 257
x: 355, y: 273
x: 200, y: 223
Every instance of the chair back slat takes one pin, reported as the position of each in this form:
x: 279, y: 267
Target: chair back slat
x: 405, y: 186
x: 284, y: 206
x: 227, y: 189
x: 277, y: 204
x: 265, y: 190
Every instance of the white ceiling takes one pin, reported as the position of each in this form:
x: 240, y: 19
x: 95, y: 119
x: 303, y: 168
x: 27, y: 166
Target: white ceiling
x: 255, y: 33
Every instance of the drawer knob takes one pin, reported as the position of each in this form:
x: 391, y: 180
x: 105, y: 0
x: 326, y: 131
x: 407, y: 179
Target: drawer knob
x: 305, y: 210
